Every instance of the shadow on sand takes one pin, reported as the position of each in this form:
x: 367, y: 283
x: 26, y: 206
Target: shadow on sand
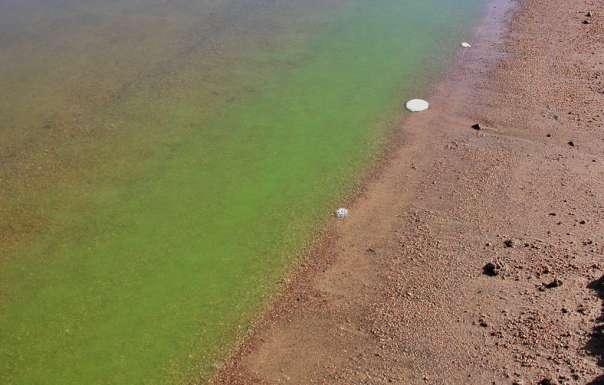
x: 595, y: 346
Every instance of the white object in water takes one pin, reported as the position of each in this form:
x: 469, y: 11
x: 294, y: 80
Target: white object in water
x: 416, y: 105
x: 341, y: 213
x: 465, y: 44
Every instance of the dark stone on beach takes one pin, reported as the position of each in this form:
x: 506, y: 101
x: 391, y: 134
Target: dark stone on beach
x: 476, y: 127
x: 491, y: 269
x: 571, y: 143
x: 510, y: 243
x: 555, y: 283
x: 586, y: 21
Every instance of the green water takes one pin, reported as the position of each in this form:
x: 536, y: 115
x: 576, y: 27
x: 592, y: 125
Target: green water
x: 163, y: 163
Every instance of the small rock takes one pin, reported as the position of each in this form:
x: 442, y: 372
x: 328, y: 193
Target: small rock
x: 491, y: 269
x: 510, y: 243
x: 518, y: 382
x: 482, y: 322
x: 555, y: 283
x: 571, y: 143
x: 342, y: 213
x: 586, y: 21
x: 589, y: 14
x: 417, y: 105
x: 476, y: 126
x: 564, y: 310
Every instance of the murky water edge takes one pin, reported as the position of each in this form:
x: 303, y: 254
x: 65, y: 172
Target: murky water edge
x: 161, y: 163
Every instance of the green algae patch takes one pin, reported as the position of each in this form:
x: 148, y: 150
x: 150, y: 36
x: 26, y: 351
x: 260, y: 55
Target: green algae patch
x: 151, y: 268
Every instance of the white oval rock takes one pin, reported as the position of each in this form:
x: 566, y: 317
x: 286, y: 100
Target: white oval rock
x: 341, y: 213
x: 465, y: 44
x: 416, y: 105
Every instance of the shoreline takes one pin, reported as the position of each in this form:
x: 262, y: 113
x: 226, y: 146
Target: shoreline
x: 425, y: 222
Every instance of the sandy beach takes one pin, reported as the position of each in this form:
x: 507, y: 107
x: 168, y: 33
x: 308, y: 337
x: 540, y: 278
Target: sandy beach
x: 401, y: 291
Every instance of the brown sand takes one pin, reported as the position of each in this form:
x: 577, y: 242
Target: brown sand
x: 396, y: 292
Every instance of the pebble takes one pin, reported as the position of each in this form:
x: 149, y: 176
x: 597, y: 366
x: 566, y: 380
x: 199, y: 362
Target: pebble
x: 341, y: 213
x: 417, y: 105
x: 555, y: 283
x: 510, y: 243
x: 491, y: 269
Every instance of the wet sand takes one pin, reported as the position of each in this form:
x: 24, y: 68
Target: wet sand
x: 396, y: 293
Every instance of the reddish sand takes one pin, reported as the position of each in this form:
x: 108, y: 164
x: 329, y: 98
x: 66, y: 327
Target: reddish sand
x: 396, y: 292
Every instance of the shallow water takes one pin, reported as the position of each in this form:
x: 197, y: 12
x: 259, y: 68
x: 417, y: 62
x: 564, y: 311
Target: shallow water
x: 163, y: 161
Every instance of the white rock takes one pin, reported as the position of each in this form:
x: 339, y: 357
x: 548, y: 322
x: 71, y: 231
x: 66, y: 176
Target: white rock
x: 465, y: 44
x: 341, y: 213
x: 416, y: 105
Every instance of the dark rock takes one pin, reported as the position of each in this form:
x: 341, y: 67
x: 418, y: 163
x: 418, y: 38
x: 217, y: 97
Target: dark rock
x: 491, y: 269
x: 571, y: 143
x: 589, y: 14
x: 510, y: 243
x: 476, y: 127
x: 555, y: 283
x: 586, y: 21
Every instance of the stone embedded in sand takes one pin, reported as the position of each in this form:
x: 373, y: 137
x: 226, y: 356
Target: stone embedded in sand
x: 555, y: 283
x: 416, y: 105
x: 491, y: 269
x: 510, y: 242
x: 465, y: 44
x: 341, y: 213
x: 476, y: 126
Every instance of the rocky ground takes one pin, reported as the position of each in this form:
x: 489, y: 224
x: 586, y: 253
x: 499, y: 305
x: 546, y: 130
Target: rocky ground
x: 475, y: 255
